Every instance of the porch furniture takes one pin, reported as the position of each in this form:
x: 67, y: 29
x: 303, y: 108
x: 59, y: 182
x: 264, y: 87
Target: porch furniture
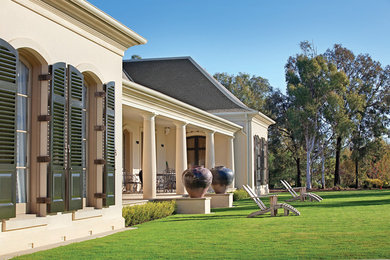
x: 302, y: 193
x: 166, y: 181
x: 131, y: 182
x: 274, y: 205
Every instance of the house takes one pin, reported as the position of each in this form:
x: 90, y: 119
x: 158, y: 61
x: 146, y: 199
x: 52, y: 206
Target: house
x: 72, y: 121
x: 183, y: 79
x: 60, y: 121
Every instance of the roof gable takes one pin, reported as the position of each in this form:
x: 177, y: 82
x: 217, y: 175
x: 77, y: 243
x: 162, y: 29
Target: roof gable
x: 183, y: 79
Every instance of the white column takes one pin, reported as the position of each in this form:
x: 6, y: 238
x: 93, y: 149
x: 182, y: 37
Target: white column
x: 210, y: 153
x: 230, y: 157
x: 181, y: 155
x: 149, y: 157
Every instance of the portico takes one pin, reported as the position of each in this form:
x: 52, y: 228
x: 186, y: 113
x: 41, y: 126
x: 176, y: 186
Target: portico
x: 161, y: 127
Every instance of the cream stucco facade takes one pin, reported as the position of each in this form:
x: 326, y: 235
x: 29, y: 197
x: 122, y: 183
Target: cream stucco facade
x: 76, y: 33
x: 253, y: 124
x: 151, y: 128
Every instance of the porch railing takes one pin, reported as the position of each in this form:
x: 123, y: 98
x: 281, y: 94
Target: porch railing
x: 165, y: 182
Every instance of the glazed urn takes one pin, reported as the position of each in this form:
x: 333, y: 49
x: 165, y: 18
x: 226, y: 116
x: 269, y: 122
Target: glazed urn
x: 197, y: 181
x: 222, y: 178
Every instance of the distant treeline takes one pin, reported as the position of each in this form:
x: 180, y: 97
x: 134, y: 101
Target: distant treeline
x: 332, y: 125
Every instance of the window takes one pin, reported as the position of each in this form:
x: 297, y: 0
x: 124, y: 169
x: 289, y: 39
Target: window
x: 85, y: 139
x: 22, y: 131
x: 196, y: 150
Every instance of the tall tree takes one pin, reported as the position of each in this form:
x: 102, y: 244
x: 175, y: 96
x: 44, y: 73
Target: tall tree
x: 310, y: 80
x: 367, y: 100
x: 284, y: 141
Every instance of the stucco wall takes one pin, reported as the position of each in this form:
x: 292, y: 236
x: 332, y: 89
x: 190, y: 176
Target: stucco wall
x: 26, y: 25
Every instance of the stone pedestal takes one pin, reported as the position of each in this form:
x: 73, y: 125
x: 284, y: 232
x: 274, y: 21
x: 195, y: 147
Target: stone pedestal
x: 221, y: 200
x: 193, y: 205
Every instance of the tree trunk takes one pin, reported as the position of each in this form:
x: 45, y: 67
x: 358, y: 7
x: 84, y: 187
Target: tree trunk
x: 323, y: 168
x: 337, y: 167
x: 357, y: 172
x: 308, y: 173
x: 309, y: 148
x: 298, y: 162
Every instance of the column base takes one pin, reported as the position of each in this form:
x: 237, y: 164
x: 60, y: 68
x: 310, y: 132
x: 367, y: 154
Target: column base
x: 193, y: 205
x: 262, y: 190
x: 221, y: 200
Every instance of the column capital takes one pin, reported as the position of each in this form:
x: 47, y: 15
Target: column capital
x: 148, y: 115
x: 180, y: 123
x: 209, y: 132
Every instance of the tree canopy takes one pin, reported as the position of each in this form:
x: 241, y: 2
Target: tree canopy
x: 336, y: 110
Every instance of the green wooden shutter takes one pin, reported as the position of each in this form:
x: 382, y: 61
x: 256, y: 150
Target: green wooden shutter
x: 109, y: 145
x: 262, y: 165
x: 76, y: 122
x: 266, y: 172
x: 57, y: 134
x: 257, y: 158
x: 8, y: 88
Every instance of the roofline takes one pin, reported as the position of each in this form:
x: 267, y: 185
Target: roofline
x: 196, y: 112
x: 254, y: 113
x: 158, y: 59
x: 83, y: 11
x: 215, y: 82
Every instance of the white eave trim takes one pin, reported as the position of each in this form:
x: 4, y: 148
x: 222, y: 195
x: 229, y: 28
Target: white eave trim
x: 256, y: 114
x: 156, y: 102
x: 94, y: 18
x: 110, y: 21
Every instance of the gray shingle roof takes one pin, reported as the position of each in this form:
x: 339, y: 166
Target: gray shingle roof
x: 183, y: 79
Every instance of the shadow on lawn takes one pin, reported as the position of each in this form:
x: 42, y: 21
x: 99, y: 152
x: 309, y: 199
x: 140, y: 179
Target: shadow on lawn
x: 355, y: 203
x: 205, y: 217
x: 354, y: 194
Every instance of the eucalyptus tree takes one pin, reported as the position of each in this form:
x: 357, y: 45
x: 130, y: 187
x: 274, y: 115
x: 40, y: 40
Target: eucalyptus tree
x: 310, y: 81
x: 284, y: 140
x: 366, y: 100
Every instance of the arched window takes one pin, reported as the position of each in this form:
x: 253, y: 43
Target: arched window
x: 196, y: 150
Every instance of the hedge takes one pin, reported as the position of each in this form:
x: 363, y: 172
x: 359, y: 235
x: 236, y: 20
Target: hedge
x: 138, y: 214
x: 240, y: 194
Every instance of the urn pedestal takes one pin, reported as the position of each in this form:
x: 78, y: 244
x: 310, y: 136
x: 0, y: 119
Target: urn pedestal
x: 221, y: 200
x: 193, y: 205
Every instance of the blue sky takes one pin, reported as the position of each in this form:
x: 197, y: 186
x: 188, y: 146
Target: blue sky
x: 252, y: 36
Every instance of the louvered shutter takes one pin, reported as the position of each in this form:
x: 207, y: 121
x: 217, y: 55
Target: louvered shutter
x: 109, y: 145
x: 76, y: 124
x: 57, y: 134
x: 257, y: 164
x: 262, y: 162
x: 8, y: 88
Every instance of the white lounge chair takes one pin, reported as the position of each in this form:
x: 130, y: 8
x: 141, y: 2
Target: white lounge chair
x: 273, y: 207
x: 302, y: 193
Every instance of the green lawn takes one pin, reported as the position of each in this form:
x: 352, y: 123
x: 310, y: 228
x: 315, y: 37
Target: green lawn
x: 348, y: 224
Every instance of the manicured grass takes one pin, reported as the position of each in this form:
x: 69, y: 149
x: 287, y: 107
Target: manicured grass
x: 348, y: 224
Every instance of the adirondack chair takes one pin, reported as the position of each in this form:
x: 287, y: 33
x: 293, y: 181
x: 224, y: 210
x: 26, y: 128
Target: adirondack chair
x: 302, y: 193
x: 273, y: 207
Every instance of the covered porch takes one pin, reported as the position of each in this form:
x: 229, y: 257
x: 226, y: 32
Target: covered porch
x: 163, y: 137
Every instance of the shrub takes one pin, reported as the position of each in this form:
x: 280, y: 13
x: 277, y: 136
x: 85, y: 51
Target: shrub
x: 138, y: 214
x: 373, y: 183
x: 240, y: 194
